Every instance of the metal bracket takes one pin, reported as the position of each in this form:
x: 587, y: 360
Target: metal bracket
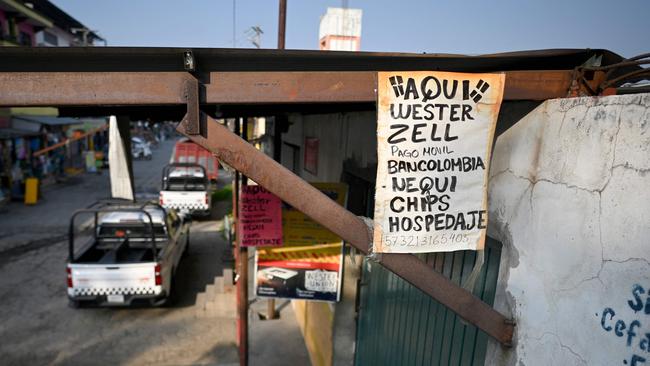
x: 188, y: 61
x: 190, y: 121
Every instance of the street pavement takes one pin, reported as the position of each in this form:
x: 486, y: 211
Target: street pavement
x: 38, y: 328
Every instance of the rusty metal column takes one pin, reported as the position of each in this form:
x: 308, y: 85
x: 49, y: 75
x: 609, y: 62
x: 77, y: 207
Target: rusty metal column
x: 243, y: 255
x: 277, y: 134
x: 242, y: 270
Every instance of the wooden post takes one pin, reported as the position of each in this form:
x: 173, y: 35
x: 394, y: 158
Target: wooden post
x: 270, y: 309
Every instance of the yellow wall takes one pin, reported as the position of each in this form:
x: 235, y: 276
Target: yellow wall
x: 316, y: 320
x: 35, y: 111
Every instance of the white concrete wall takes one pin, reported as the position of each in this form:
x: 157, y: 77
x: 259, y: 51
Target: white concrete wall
x: 340, y: 22
x: 65, y: 39
x: 570, y: 200
x: 341, y: 136
x: 119, y: 158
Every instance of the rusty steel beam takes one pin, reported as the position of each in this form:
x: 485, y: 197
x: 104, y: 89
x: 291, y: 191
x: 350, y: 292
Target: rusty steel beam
x: 290, y: 87
x: 60, y: 89
x: 354, y: 86
x: 242, y: 156
x: 532, y: 85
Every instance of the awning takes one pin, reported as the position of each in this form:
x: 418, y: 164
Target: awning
x: 8, y: 133
x: 50, y: 121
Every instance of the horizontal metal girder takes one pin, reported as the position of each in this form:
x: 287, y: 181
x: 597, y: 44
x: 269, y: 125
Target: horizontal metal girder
x: 354, y: 86
x: 291, y: 87
x: 292, y: 189
x: 60, y: 89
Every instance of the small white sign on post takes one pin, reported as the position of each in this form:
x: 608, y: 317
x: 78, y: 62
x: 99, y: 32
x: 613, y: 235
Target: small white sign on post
x: 434, y: 141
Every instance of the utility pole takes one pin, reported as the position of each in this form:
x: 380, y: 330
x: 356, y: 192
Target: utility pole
x: 282, y: 23
x: 255, y: 36
x: 234, y: 23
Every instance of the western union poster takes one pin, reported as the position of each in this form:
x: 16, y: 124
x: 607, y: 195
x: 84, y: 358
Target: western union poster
x: 309, y: 264
x: 434, y: 140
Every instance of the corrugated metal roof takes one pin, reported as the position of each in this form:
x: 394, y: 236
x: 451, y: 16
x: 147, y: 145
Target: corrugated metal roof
x: 50, y: 121
x: 8, y: 133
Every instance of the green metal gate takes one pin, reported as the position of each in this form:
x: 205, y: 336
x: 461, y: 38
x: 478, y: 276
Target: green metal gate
x: 400, y: 325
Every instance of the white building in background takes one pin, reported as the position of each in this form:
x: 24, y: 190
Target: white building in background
x: 65, y: 31
x: 340, y: 30
x: 54, y: 37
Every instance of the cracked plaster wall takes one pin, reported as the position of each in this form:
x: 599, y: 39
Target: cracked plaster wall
x: 569, y: 197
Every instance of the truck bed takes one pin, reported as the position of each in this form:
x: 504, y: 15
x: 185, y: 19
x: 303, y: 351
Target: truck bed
x: 118, y: 252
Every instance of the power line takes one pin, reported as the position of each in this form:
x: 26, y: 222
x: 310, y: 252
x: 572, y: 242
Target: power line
x: 234, y: 23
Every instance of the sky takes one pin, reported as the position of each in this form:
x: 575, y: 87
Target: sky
x: 421, y: 26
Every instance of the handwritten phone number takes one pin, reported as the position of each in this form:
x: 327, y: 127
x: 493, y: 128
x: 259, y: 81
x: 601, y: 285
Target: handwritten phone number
x: 426, y: 240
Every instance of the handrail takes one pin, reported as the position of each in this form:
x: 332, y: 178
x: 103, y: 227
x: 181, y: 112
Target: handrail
x: 98, y: 211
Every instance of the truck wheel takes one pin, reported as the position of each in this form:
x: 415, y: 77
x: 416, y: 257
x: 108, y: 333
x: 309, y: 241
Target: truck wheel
x: 171, y: 296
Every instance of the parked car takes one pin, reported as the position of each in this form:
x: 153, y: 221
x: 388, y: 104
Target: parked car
x: 185, y: 188
x: 140, y: 149
x: 132, y: 255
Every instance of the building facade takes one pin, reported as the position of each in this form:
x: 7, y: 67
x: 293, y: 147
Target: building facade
x: 23, y: 131
x: 19, y: 23
x: 340, y: 30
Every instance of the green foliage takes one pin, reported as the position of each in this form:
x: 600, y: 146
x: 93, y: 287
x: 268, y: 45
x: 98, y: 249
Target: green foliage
x: 223, y: 194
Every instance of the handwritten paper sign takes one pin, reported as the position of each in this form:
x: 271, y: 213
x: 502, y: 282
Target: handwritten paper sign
x: 434, y: 140
x: 260, y: 217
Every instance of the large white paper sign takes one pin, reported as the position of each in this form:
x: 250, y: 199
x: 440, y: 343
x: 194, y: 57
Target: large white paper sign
x: 434, y: 140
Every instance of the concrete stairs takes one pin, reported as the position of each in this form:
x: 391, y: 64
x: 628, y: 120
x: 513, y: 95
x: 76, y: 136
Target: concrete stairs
x: 218, y: 299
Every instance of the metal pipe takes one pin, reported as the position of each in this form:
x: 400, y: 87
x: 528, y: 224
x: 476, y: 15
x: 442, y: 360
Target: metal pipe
x: 67, y: 141
x: 292, y: 189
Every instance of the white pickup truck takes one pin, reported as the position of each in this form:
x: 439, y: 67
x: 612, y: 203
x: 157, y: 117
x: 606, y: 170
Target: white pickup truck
x: 185, y: 187
x: 132, y: 255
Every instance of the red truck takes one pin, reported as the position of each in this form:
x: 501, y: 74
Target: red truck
x: 187, y: 151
